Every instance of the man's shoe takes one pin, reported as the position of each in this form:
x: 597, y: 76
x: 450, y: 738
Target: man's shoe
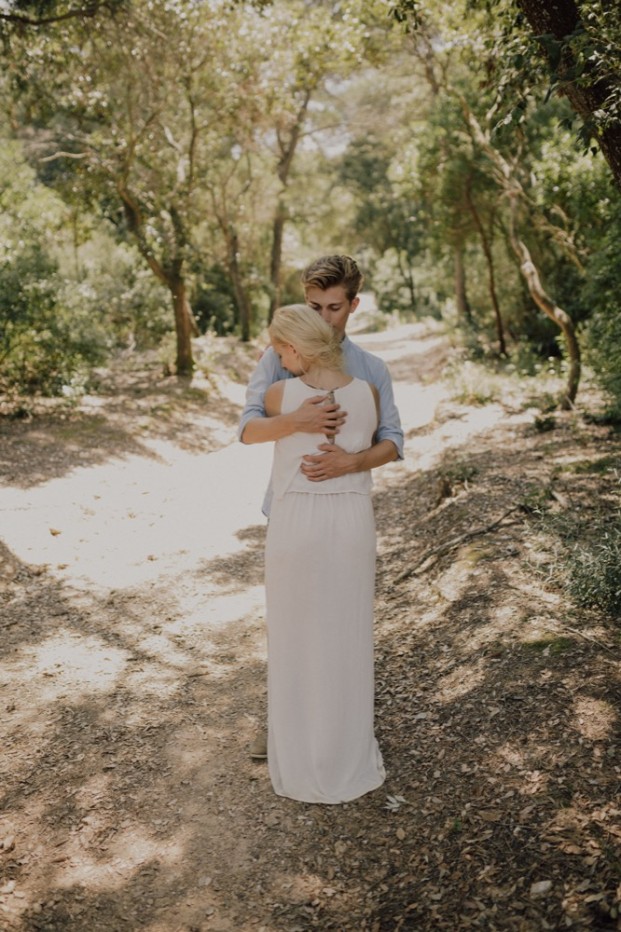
x: 258, y: 748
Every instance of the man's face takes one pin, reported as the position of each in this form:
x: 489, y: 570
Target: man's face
x: 333, y: 305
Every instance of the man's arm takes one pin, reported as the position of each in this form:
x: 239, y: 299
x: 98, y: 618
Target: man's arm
x: 267, y: 371
x: 388, y: 446
x: 311, y: 417
x: 334, y: 461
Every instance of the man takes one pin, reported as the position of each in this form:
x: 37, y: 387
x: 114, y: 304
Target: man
x: 331, y: 287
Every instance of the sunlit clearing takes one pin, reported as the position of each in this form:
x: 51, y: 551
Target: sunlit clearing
x: 127, y: 522
x: 423, y: 452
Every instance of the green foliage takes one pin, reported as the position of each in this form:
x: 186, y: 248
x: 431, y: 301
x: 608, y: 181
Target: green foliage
x: 184, y: 147
x: 213, y: 300
x: 45, y: 347
x: 594, y: 570
x: 114, y: 290
x: 583, y: 556
x: 45, y: 344
x: 69, y: 293
x: 601, y: 292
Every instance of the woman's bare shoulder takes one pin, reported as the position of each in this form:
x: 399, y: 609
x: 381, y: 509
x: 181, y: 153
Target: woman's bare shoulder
x: 273, y: 398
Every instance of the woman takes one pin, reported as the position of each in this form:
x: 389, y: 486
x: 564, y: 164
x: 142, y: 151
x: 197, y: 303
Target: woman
x: 319, y: 576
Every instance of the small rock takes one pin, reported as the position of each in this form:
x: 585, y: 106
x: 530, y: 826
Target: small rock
x: 540, y: 888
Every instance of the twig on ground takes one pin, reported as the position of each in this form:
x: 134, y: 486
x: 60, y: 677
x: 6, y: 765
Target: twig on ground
x: 562, y: 629
x: 436, y: 552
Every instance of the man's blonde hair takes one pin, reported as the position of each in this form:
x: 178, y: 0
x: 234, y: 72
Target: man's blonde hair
x: 330, y: 271
x: 306, y: 330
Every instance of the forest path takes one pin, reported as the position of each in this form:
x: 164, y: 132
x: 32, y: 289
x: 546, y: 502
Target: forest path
x: 132, y: 679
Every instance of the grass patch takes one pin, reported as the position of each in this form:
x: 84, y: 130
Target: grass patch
x: 584, y: 558
x: 553, y: 645
x: 596, y: 467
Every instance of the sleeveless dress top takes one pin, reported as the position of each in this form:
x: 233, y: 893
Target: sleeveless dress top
x: 356, y: 434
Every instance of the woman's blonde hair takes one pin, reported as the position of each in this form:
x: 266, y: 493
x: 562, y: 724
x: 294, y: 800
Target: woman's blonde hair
x: 306, y: 330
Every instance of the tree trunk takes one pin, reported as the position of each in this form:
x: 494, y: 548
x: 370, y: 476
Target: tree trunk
x: 560, y: 317
x: 587, y: 94
x: 487, y: 249
x: 278, y: 229
x: 461, y: 295
x: 408, y: 278
x: 183, y: 326
x: 514, y: 191
x: 241, y: 297
x: 170, y: 275
x: 287, y: 147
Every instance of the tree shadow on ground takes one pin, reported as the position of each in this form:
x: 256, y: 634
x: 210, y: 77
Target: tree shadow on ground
x: 245, y: 568
x: 58, y: 438
x: 501, y: 714
x: 132, y: 802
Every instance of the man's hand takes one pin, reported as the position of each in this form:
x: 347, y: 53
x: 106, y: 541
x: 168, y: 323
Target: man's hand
x: 329, y: 464
x: 314, y: 416
x: 333, y: 461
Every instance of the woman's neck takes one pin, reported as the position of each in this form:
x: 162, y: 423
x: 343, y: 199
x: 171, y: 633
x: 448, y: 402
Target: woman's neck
x: 325, y: 379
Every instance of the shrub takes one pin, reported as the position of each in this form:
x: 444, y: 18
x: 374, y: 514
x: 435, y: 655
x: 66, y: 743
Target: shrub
x: 602, y: 333
x: 44, y: 347
x: 594, y: 572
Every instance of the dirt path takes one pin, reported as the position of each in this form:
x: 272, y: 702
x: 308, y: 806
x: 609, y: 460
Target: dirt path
x: 133, y: 662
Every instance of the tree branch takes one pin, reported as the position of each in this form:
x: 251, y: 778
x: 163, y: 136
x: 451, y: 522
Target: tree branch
x: 436, y: 552
x: 80, y: 12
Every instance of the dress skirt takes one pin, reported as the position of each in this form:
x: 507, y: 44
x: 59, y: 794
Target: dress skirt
x: 320, y: 574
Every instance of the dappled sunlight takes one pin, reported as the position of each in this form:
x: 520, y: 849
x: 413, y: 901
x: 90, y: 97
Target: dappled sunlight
x: 425, y: 451
x: 190, y: 749
x: 66, y: 661
x: 499, y: 629
x: 136, y: 682
x: 527, y: 780
x: 127, y: 523
x: 462, y: 680
x: 117, y: 859
x: 594, y: 718
x: 152, y: 680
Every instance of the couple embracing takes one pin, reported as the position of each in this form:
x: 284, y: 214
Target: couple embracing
x: 328, y: 407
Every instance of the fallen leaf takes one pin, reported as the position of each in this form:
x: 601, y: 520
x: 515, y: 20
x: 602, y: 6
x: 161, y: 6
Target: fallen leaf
x: 540, y: 888
x: 491, y: 815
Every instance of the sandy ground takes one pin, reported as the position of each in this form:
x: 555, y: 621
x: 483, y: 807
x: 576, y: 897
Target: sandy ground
x: 132, y: 681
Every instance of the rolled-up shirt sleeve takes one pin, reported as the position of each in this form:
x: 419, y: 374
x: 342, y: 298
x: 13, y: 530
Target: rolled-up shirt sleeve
x: 365, y: 365
x: 389, y: 427
x: 268, y: 370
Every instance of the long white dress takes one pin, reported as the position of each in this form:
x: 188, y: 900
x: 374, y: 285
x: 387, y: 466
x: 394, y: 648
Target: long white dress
x: 320, y: 577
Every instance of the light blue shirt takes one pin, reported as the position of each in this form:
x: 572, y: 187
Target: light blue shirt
x: 358, y: 362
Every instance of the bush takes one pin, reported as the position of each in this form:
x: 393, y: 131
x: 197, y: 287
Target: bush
x: 602, y: 333
x: 213, y: 300
x: 44, y: 347
x: 594, y: 572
